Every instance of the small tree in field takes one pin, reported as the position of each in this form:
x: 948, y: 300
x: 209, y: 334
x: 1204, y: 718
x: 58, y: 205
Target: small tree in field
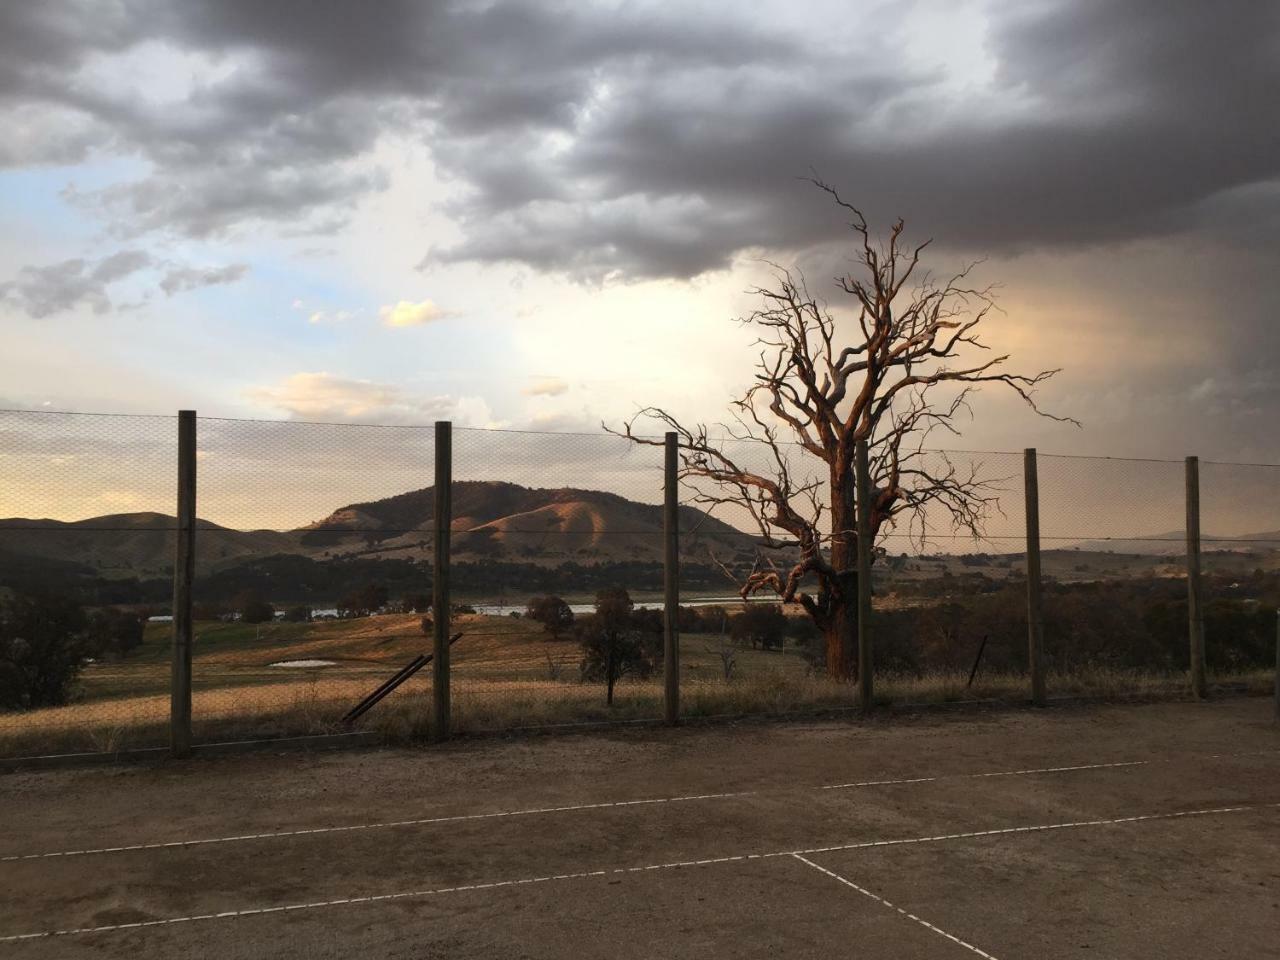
x: 552, y: 612
x: 298, y: 613
x: 760, y: 624
x: 253, y: 609
x: 615, y: 642
x: 43, y: 644
x: 363, y: 601
x: 900, y: 364
x: 114, y: 633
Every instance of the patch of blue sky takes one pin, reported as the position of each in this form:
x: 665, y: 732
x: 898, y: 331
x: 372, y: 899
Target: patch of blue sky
x: 318, y: 286
x: 37, y: 197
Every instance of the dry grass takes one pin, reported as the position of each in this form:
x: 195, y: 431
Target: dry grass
x: 503, y: 679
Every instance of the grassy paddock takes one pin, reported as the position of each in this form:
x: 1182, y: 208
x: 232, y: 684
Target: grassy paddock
x: 507, y: 675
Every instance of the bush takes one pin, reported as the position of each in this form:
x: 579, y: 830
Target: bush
x: 43, y: 644
x: 363, y: 601
x: 113, y: 633
x: 618, y: 640
x: 552, y: 612
x: 257, y: 610
x: 299, y: 613
x: 710, y: 619
x: 760, y: 624
x: 209, y: 611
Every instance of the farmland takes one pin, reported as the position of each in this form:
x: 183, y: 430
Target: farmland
x: 507, y: 672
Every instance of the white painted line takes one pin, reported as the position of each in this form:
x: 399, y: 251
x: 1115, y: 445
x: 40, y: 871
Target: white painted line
x: 675, y: 865
x: 278, y: 834
x: 537, y: 811
x: 996, y: 773
x: 1070, y: 824
x: 910, y: 916
x: 1031, y: 771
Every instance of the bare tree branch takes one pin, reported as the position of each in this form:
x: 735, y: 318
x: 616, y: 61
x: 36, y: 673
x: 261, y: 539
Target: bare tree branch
x: 787, y: 461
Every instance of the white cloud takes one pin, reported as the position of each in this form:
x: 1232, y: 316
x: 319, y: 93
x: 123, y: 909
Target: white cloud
x: 407, y: 314
x: 546, y: 387
x: 320, y: 395
x: 330, y: 318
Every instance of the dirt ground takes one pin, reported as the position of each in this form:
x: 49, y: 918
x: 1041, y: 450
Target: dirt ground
x: 1118, y: 831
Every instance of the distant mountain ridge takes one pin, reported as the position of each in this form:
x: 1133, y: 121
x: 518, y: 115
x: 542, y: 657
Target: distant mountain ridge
x: 492, y: 519
x: 134, y: 543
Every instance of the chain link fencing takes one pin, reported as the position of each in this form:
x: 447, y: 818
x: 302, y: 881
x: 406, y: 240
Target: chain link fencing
x: 544, y: 524
x: 314, y: 581
x: 86, y: 557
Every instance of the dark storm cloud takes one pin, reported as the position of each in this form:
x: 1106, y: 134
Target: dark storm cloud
x: 640, y: 143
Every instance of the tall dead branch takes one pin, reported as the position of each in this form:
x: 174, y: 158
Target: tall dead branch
x: 900, y: 368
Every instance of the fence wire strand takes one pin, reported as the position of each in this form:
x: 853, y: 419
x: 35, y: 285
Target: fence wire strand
x: 314, y: 579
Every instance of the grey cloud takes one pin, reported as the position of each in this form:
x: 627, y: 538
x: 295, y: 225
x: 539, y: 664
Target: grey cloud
x: 286, y: 137
x: 654, y: 142
x: 181, y: 279
x: 42, y: 291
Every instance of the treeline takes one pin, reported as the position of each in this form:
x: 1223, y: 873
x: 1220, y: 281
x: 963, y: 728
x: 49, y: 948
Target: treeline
x: 285, y: 580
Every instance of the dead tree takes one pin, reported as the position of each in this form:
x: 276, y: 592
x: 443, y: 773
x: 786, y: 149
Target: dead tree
x: 900, y: 366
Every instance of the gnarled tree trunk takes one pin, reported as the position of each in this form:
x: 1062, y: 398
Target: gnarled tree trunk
x: 840, y: 622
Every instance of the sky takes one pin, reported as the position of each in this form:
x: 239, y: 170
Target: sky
x: 544, y: 216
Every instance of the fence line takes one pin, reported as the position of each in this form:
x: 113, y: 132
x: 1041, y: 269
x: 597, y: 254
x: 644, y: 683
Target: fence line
x: 461, y: 681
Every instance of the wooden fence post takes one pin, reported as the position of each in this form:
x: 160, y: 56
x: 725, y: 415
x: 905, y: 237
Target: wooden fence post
x: 440, y: 580
x: 1195, y: 595
x: 865, y: 659
x: 1035, y: 612
x: 184, y: 568
x: 671, y: 581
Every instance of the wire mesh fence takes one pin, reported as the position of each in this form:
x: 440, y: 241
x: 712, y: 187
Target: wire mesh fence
x: 313, y: 528
x: 550, y: 516
x: 314, y: 580
x: 86, y: 556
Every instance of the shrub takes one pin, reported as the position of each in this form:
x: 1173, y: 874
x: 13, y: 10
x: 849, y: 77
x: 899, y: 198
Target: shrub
x: 552, y: 612
x: 299, y: 613
x: 617, y: 640
x: 113, y: 633
x: 760, y: 624
x: 363, y: 601
x: 43, y: 644
x: 256, y: 610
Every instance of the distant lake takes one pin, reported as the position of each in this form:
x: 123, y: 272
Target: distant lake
x: 506, y: 609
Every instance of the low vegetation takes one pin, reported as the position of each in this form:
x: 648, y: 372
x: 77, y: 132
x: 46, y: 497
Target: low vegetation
x: 72, y: 678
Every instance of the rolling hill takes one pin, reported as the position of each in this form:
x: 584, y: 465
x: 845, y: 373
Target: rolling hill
x: 505, y: 520
x: 492, y: 519
x: 134, y: 544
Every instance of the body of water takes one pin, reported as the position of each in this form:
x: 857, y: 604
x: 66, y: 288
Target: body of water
x: 506, y: 609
